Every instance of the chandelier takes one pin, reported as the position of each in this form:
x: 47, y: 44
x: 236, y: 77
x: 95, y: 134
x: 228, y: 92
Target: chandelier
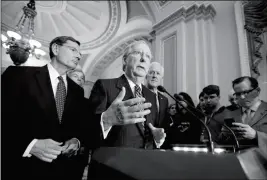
x: 19, y: 44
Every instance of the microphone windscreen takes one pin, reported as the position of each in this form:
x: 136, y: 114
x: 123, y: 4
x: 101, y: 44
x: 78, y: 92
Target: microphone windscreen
x: 176, y: 96
x: 161, y: 88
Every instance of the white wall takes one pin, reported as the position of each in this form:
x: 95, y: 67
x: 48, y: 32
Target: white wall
x: 227, y: 46
x: 205, y: 52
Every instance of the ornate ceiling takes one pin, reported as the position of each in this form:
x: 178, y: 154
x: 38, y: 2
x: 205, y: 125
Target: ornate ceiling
x: 102, y: 27
x: 91, y: 22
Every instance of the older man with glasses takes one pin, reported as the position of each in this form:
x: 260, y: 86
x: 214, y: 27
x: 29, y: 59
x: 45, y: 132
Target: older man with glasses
x: 121, y: 105
x: 251, y: 118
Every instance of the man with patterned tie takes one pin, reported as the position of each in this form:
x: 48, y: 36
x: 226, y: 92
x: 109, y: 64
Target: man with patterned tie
x: 251, y: 118
x: 124, y: 107
x: 153, y: 80
x: 43, y: 114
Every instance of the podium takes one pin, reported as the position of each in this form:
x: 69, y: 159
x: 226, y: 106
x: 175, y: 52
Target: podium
x: 129, y: 163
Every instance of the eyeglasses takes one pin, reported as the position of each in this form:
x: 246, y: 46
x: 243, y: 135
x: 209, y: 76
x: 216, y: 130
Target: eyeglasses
x: 73, y: 49
x: 245, y: 93
x: 137, y: 53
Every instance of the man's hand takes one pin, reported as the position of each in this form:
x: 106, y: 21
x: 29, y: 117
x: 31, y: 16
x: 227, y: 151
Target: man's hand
x: 70, y: 147
x: 46, y: 149
x: 245, y: 130
x: 125, y: 112
x: 158, y: 134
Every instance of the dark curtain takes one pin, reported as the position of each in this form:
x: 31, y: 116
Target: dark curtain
x: 255, y: 25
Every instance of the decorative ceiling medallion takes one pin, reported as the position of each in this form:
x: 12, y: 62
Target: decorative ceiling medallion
x: 115, y: 15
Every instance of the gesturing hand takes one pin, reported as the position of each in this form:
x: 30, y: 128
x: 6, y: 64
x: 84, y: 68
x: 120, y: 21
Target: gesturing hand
x: 46, y: 149
x: 125, y: 112
x: 245, y: 130
x: 158, y: 134
x: 70, y: 147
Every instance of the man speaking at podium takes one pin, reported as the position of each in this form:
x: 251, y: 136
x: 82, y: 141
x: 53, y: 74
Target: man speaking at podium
x: 126, y: 109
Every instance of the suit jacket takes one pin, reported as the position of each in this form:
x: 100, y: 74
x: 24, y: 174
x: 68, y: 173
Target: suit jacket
x: 163, y: 110
x: 103, y: 94
x: 29, y: 112
x: 258, y: 123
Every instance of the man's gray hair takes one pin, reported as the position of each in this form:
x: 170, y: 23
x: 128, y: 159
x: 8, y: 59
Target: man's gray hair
x: 129, y: 49
x: 76, y: 70
x: 157, y: 63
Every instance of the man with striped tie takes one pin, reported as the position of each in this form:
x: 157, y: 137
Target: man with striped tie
x: 43, y: 117
x: 125, y: 108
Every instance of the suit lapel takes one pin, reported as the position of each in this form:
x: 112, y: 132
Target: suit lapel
x: 161, y: 108
x: 122, y: 82
x: 146, y: 95
x: 46, y: 98
x: 70, y: 96
x: 259, y: 114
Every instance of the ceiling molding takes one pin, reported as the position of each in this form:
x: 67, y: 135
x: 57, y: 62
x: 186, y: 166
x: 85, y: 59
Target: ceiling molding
x: 64, y: 20
x: 161, y: 4
x: 198, y: 11
x: 149, y: 11
x: 115, y: 17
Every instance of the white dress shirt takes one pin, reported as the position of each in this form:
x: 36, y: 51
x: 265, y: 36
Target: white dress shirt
x: 252, y: 110
x: 53, y: 74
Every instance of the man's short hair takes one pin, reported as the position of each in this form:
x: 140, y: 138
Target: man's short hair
x: 129, y: 49
x: 212, y: 89
x: 201, y: 95
x: 161, y: 67
x: 253, y: 82
x: 60, y: 41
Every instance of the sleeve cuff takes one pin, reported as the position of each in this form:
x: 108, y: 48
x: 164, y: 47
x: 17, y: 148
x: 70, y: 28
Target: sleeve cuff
x: 79, y: 144
x: 28, y: 150
x: 105, y: 132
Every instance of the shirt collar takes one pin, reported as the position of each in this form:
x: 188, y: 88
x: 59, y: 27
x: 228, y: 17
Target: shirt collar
x: 54, y: 74
x: 132, y: 84
x: 254, y: 107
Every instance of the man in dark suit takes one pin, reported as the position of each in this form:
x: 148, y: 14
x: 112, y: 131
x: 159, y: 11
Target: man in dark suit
x: 121, y: 105
x: 42, y: 114
x: 251, y: 118
x: 153, y: 80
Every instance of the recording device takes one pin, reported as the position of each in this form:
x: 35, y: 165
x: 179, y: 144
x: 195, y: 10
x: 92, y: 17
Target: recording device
x: 210, y: 142
x: 229, y: 121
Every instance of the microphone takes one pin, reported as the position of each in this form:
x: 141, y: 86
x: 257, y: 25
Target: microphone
x: 236, y: 147
x: 210, y: 142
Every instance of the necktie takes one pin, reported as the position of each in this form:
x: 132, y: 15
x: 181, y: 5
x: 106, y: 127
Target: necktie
x: 157, y: 100
x: 138, y: 93
x: 60, y: 97
x: 247, y: 116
